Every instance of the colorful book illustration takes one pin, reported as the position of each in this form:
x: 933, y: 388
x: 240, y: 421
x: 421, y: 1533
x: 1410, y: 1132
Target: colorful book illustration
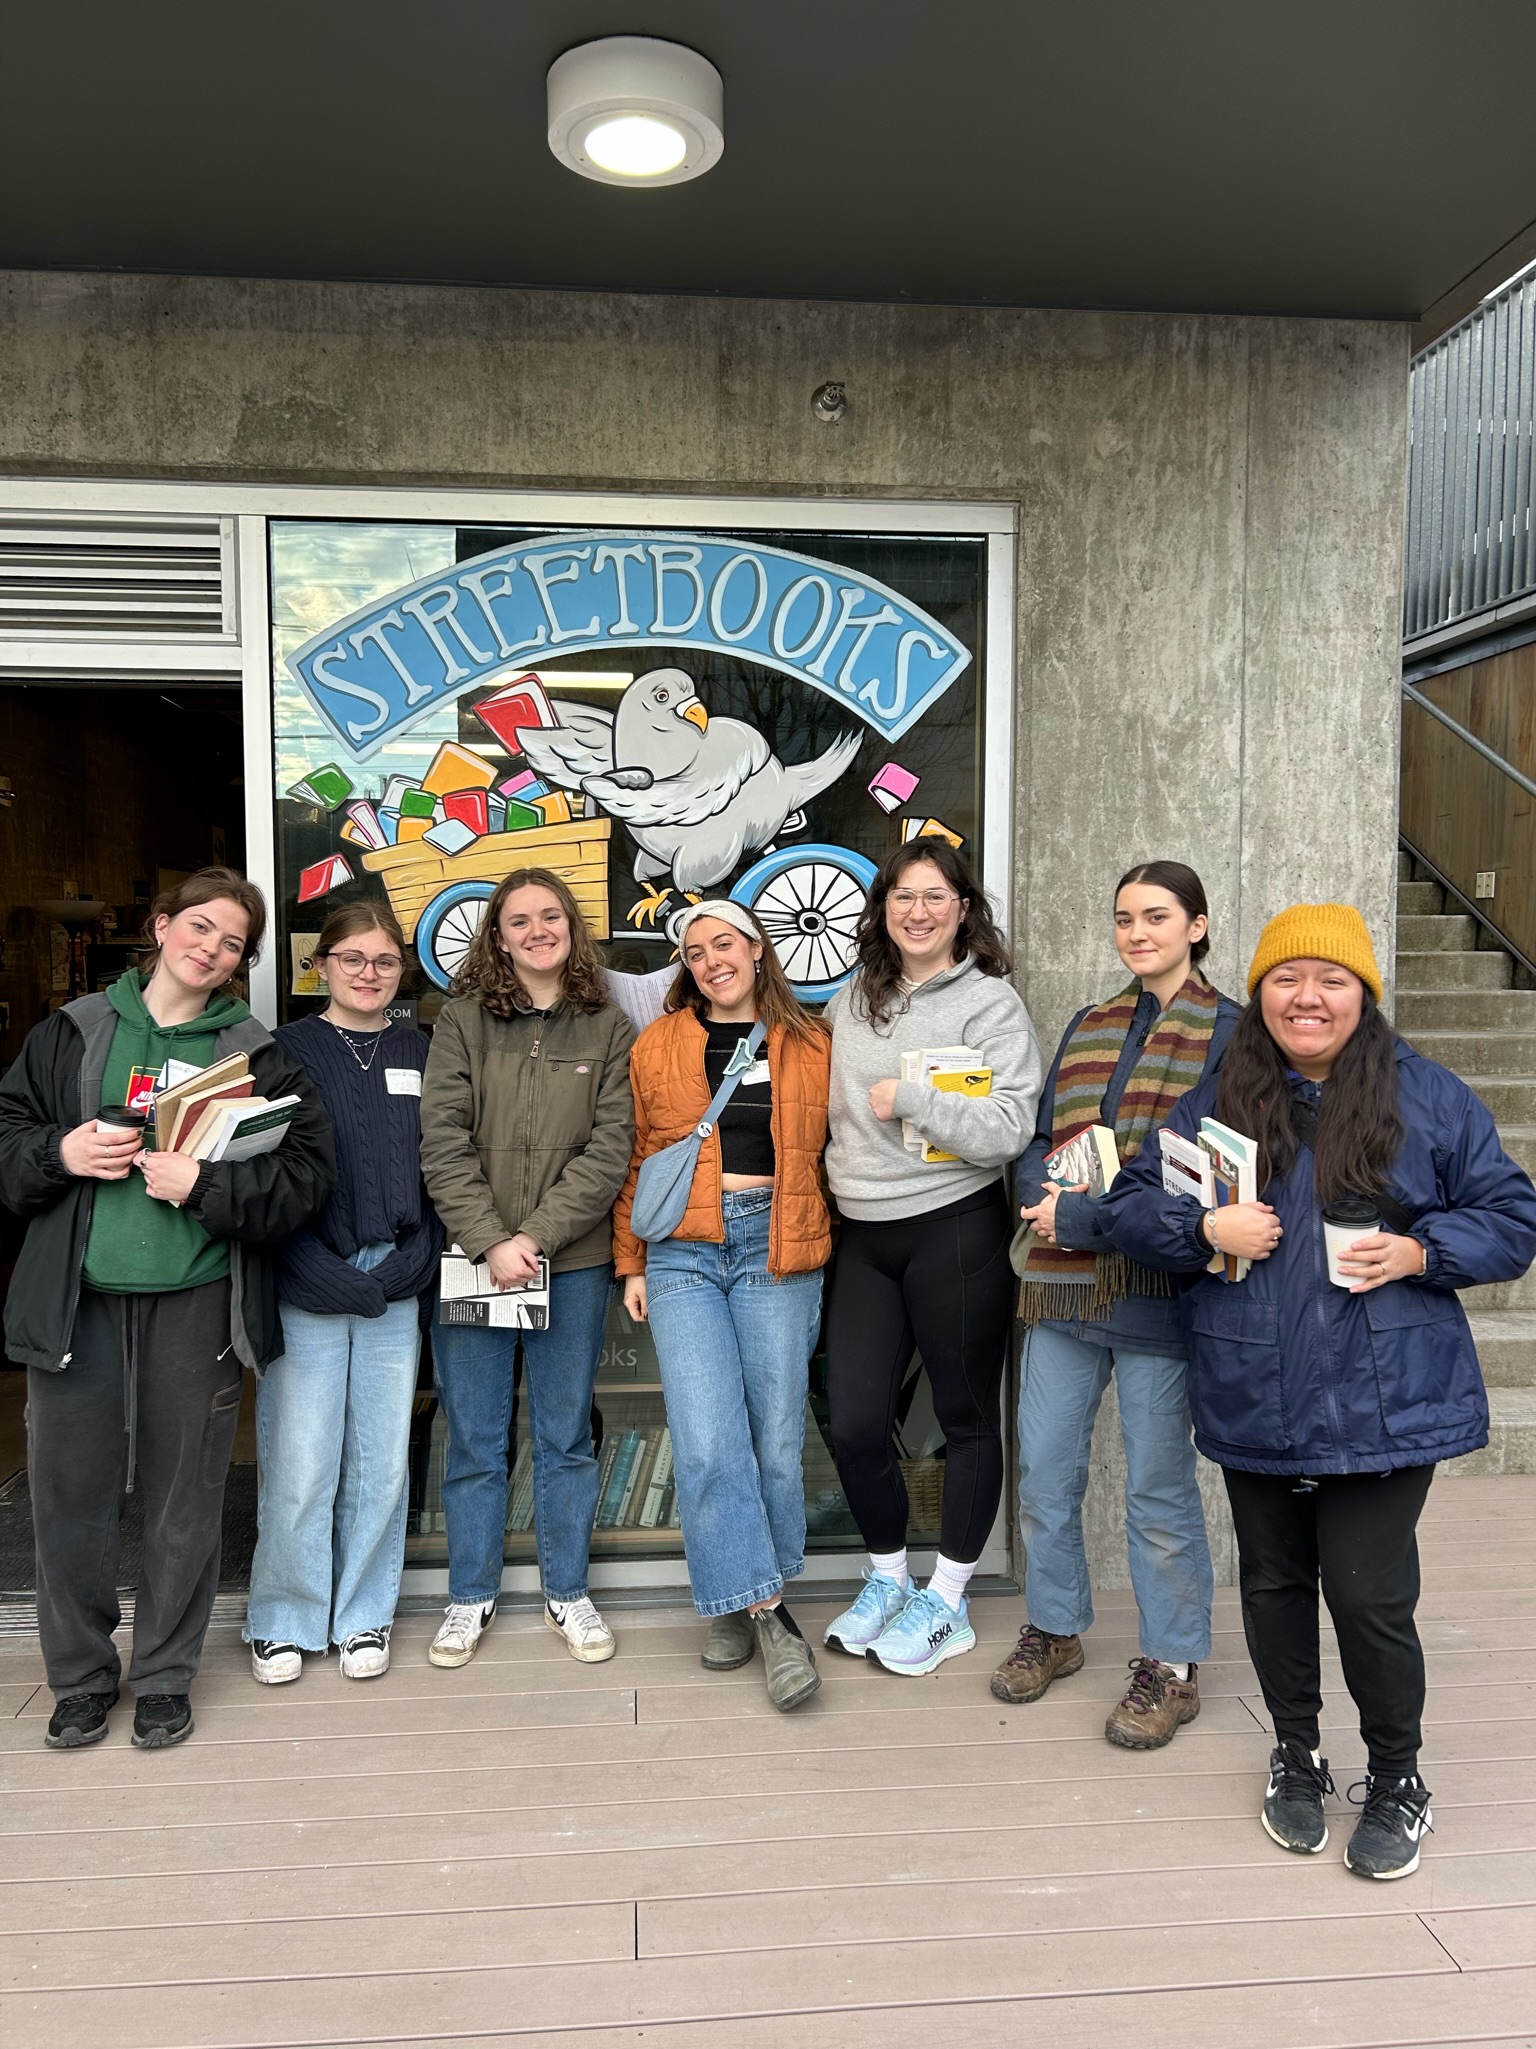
x: 451, y: 837
x: 411, y: 829
x: 554, y: 807
x: 1091, y: 1155
x: 321, y: 877
x: 457, y: 768
x: 325, y: 788
x: 1234, y: 1177
x: 415, y: 802
x: 525, y: 784
x: 363, y: 826
x: 965, y: 1072
x: 523, y: 702
x: 893, y: 785
x: 920, y: 828
x: 394, y: 791
x: 469, y: 807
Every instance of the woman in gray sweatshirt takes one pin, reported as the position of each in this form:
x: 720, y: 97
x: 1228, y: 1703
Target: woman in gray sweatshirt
x: 922, y: 1260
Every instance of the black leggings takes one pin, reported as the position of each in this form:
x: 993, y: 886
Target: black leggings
x: 1355, y: 1534
x: 940, y: 1284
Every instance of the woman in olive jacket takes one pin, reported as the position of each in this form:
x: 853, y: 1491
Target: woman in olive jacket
x: 526, y: 1129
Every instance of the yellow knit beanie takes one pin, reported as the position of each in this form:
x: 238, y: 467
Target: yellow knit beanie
x: 1317, y: 932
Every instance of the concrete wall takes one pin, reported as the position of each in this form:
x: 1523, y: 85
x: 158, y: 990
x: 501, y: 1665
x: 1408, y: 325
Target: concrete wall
x: 1210, y: 518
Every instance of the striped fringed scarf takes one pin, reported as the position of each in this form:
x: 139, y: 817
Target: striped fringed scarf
x: 1063, y: 1285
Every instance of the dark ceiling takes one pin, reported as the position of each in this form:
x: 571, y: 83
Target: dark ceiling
x: 1313, y: 156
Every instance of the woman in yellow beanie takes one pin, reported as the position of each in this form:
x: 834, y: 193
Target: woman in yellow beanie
x: 1329, y: 1381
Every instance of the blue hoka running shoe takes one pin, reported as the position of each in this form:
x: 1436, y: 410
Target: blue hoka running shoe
x: 879, y: 1603
x: 923, y: 1635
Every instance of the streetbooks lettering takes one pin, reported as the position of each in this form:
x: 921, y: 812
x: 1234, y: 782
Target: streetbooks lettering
x: 960, y: 1070
x: 1234, y: 1173
x: 466, y: 1295
x: 1091, y: 1156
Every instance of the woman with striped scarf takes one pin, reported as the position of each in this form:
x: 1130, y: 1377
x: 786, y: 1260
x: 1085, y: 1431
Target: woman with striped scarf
x: 1091, y: 1312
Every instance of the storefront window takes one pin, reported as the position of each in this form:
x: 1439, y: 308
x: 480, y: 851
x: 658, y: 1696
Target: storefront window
x: 656, y: 715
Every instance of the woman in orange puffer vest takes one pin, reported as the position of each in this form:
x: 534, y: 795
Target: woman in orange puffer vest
x: 733, y: 1297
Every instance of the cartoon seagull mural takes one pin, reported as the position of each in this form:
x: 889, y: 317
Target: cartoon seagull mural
x: 695, y: 793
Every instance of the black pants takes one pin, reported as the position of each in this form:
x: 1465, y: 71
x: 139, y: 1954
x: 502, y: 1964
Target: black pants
x: 1355, y: 1535
x: 156, y: 1374
x: 940, y: 1284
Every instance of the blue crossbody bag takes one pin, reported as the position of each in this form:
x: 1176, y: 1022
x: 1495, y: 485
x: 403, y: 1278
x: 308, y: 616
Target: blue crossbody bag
x: 665, y: 1179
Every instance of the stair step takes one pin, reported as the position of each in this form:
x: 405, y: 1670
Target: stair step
x: 1404, y: 866
x: 1489, y: 1053
x: 1511, y: 1446
x: 1500, y: 1295
x: 1511, y: 1098
x: 1424, y: 898
x: 1416, y: 971
x: 1519, y: 1141
x: 1451, y: 934
x: 1465, y: 1010
x: 1506, y: 1346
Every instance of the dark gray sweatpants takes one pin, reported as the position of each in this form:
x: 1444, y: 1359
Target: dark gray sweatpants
x: 169, y: 1359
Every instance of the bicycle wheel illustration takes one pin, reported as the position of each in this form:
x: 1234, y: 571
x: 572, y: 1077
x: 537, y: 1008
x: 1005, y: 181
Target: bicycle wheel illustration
x: 809, y: 900
x: 447, y: 926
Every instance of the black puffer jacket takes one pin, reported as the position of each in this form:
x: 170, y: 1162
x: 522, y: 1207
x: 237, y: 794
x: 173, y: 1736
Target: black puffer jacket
x: 54, y: 1086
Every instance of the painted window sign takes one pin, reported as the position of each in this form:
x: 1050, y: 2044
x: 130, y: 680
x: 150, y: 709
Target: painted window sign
x: 373, y: 673
x: 655, y: 715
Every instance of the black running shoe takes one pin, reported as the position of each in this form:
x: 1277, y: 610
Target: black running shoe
x: 161, y: 1719
x: 1394, y: 1818
x: 1293, y: 1802
x: 79, y: 1720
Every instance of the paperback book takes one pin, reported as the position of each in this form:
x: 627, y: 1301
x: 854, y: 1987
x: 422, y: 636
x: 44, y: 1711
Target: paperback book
x: 960, y: 1070
x: 466, y: 1295
x: 1089, y: 1156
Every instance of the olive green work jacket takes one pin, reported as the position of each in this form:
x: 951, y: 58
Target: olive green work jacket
x: 527, y: 1124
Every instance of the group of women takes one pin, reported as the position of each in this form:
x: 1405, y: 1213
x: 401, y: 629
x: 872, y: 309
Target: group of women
x: 534, y: 1128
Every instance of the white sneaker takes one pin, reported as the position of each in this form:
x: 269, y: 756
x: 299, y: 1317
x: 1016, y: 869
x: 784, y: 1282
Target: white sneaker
x: 462, y: 1628
x: 587, y: 1635
x: 366, y: 1655
x: 275, y: 1664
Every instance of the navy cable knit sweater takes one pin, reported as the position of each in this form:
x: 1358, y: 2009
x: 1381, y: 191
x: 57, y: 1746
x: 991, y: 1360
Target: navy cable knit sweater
x: 379, y: 1195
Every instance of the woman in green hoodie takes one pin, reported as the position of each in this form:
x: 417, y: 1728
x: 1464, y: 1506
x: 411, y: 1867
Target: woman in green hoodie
x: 139, y: 1294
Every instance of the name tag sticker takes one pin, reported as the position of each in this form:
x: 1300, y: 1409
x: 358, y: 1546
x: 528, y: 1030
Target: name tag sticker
x: 755, y: 1076
x: 403, y: 1081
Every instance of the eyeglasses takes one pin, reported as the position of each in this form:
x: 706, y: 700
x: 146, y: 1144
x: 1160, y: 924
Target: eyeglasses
x: 931, y: 899
x: 354, y: 963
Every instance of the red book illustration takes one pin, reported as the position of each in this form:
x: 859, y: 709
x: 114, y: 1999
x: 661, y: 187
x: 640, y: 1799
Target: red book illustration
x: 321, y: 877
x: 469, y: 807
x: 519, y: 703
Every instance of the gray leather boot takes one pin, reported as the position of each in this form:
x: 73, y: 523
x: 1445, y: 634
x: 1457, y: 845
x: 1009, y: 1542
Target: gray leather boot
x: 730, y: 1642
x: 787, y: 1658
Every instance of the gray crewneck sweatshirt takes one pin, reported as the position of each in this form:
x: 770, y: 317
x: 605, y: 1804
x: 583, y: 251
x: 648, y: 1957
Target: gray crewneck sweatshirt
x: 871, y: 1173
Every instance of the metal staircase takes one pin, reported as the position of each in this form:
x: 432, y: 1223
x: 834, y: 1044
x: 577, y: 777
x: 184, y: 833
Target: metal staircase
x: 1458, y: 1005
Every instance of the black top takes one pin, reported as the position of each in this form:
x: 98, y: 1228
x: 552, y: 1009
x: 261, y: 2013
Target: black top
x: 374, y: 1097
x: 746, y: 1127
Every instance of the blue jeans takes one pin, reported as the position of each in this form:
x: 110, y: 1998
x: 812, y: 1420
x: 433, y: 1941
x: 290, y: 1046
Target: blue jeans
x: 333, y: 1429
x: 474, y: 1384
x: 734, y: 1345
x: 1061, y: 1385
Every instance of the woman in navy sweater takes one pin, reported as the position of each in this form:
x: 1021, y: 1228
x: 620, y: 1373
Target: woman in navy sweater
x: 333, y: 1414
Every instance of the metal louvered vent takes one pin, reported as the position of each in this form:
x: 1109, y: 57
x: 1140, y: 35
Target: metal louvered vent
x: 152, y: 578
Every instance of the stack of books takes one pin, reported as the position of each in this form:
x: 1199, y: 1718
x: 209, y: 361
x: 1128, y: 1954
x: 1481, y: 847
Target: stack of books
x: 215, y: 1114
x: 1218, y: 1168
x: 957, y: 1069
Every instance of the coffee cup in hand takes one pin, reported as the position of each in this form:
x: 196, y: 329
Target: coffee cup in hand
x: 1351, y: 1217
x: 115, y: 1117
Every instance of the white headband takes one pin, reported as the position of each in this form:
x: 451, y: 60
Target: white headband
x: 721, y: 907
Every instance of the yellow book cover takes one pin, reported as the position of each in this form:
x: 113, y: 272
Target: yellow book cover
x: 958, y: 1081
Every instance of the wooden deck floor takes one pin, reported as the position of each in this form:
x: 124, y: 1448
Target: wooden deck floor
x: 643, y: 1852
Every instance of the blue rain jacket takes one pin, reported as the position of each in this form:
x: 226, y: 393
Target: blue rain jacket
x: 1290, y: 1374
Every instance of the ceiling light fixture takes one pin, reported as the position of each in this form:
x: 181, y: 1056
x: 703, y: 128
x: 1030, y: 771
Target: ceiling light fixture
x: 634, y: 111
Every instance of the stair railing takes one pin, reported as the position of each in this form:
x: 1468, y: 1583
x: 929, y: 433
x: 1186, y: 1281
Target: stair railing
x: 1469, y: 817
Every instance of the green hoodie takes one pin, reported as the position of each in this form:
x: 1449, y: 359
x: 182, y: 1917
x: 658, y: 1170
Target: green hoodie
x: 139, y: 1246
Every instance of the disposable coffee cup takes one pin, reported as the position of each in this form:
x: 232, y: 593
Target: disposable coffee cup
x: 1351, y: 1217
x: 120, y: 1117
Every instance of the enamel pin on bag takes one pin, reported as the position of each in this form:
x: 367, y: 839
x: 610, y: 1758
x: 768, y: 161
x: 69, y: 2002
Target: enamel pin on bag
x: 664, y: 1180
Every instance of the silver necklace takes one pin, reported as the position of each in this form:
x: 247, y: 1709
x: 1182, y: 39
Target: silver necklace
x: 350, y: 1042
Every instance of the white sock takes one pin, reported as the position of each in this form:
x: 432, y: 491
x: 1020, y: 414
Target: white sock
x: 950, y: 1580
x: 1178, y: 1671
x: 891, y: 1564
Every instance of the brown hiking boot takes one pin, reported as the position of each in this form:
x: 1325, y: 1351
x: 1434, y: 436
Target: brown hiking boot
x: 1155, y: 1704
x: 1035, y: 1660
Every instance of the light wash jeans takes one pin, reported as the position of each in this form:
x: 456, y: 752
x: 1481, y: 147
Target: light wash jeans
x: 474, y: 1370
x: 1061, y: 1385
x: 333, y: 1429
x: 734, y: 1346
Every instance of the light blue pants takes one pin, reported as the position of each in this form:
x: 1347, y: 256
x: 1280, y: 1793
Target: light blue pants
x: 333, y: 1427
x: 1062, y: 1383
x: 734, y: 1346
x: 474, y: 1371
